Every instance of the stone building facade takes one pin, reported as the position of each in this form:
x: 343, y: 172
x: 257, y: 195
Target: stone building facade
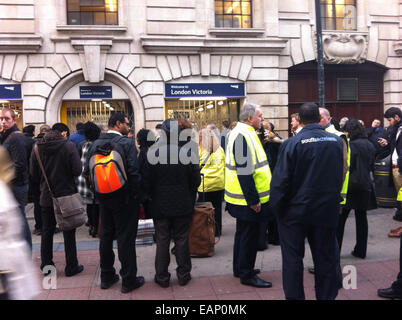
x: 157, y: 42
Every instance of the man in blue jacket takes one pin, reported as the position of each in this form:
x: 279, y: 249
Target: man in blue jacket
x: 305, y: 193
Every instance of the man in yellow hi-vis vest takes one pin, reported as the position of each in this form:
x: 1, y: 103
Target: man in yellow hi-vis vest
x: 247, y: 183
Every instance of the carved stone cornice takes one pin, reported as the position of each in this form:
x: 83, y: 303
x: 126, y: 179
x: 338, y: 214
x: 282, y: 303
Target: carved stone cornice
x: 197, y: 45
x: 344, y: 47
x: 19, y: 43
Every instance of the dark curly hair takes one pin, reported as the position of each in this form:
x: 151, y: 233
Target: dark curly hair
x: 354, y: 129
x: 142, y: 138
x: 91, y: 131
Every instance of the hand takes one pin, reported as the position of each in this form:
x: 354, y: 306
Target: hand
x: 256, y: 207
x: 382, y: 142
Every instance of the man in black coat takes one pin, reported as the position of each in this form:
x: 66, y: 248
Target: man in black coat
x: 14, y: 141
x: 61, y: 164
x: 171, y: 184
x: 306, y: 197
x: 120, y: 209
x: 394, y: 116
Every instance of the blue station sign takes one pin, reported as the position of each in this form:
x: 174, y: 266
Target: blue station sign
x: 96, y: 92
x: 194, y: 90
x: 10, y: 92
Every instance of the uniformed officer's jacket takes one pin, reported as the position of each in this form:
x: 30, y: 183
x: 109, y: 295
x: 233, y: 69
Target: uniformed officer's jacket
x: 306, y: 184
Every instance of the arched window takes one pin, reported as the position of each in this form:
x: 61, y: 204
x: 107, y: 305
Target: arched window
x: 338, y: 14
x: 233, y: 14
x: 92, y: 12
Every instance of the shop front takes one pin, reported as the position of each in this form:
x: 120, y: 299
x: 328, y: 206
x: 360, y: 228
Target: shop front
x: 84, y: 103
x: 11, y: 98
x: 204, y: 103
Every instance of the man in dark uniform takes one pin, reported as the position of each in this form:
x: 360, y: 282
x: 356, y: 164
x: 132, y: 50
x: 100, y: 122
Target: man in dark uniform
x: 306, y: 198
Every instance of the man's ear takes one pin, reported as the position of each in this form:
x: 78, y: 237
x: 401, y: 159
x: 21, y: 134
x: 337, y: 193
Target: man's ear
x: 397, y: 118
x: 64, y: 134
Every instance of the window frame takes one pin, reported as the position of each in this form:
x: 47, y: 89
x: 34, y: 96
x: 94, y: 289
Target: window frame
x: 92, y: 15
x: 223, y: 14
x: 325, y: 20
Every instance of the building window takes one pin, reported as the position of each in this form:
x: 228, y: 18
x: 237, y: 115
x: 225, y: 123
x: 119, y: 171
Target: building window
x: 338, y: 14
x: 233, y: 14
x: 92, y: 12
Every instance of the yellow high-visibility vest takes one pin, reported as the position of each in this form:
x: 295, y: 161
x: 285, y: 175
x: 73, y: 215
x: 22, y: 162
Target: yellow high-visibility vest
x: 344, y: 191
x: 261, y: 170
x: 400, y: 195
x: 213, y: 168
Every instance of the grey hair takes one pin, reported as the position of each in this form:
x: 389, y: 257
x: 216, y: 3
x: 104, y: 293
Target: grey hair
x: 248, y: 110
x: 325, y: 112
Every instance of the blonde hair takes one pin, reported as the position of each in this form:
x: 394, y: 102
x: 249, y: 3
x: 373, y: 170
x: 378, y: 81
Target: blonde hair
x: 208, y: 140
x: 6, y: 166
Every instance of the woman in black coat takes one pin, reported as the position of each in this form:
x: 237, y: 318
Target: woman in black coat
x: 360, y: 196
x: 171, y: 187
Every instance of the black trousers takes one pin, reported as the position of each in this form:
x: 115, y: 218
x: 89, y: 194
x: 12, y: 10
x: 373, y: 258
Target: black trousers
x: 216, y: 197
x: 93, y: 215
x: 273, y: 236
x: 325, y: 252
x: 177, y: 229
x: 397, y: 285
x: 46, y: 246
x: 245, y: 248
x: 119, y: 218
x: 361, y: 231
x: 37, y: 215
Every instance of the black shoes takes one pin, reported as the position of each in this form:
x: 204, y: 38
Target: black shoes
x: 256, y: 282
x: 353, y: 253
x: 311, y: 270
x: 389, y: 293
x: 184, y: 280
x: 37, y: 232
x: 256, y: 271
x: 163, y: 284
x: 139, y: 282
x: 397, y: 216
x: 79, y: 269
x: 108, y: 284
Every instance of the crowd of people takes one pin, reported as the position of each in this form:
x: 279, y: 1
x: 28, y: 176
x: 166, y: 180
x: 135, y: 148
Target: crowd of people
x: 278, y: 190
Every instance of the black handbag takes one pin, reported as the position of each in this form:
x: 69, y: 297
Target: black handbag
x: 68, y: 210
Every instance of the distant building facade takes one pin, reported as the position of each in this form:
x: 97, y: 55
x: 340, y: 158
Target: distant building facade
x: 79, y: 60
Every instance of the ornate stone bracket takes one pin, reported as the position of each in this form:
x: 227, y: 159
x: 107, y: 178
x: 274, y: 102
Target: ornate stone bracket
x: 344, y: 47
x: 92, y: 52
x: 398, y: 48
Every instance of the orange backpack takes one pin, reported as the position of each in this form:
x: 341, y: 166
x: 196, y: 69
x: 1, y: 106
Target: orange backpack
x: 107, y: 170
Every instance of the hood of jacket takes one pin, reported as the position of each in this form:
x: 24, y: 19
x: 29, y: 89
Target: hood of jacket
x: 52, y: 142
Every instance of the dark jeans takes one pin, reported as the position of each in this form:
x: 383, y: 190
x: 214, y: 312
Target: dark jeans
x: 324, y: 249
x: 216, y: 197
x: 46, y: 246
x: 37, y: 215
x: 20, y: 193
x: 93, y: 215
x: 361, y: 231
x: 177, y: 229
x: 245, y: 248
x: 397, y: 285
x: 119, y: 218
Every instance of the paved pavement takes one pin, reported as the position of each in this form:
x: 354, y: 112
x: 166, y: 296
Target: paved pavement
x: 212, y: 277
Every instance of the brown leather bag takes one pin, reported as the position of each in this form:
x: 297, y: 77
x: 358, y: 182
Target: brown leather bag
x: 202, y: 231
